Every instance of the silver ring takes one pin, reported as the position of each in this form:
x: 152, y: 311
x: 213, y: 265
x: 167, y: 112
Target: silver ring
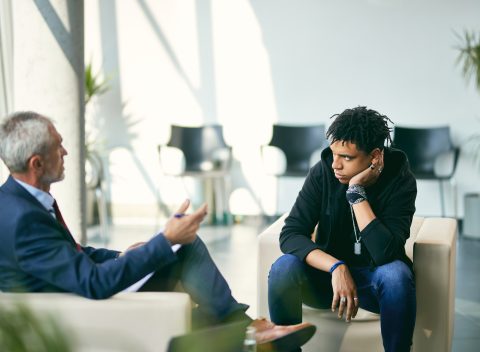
x: 343, y: 299
x: 380, y: 170
x: 355, y: 298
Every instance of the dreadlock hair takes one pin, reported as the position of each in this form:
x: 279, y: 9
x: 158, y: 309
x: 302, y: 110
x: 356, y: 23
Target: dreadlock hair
x: 367, y: 128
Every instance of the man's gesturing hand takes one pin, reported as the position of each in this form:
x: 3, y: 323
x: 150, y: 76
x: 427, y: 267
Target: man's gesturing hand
x: 344, y: 293
x: 181, y: 228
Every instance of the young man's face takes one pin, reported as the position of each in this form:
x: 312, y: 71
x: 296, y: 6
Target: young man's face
x: 348, y: 161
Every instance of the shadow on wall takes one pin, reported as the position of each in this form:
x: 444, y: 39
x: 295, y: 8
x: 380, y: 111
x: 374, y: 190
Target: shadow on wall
x: 293, y: 46
x: 113, y: 111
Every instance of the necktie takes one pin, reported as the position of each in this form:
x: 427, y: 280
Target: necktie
x: 59, y: 217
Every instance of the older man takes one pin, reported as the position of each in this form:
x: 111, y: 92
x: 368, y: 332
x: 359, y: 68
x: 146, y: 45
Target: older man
x: 38, y: 253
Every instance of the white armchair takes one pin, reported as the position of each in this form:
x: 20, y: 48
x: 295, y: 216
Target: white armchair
x: 137, y: 321
x: 431, y: 246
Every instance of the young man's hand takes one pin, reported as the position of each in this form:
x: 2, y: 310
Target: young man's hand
x: 182, y: 228
x: 371, y: 174
x: 344, y: 293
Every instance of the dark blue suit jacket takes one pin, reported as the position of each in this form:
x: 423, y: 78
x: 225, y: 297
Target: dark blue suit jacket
x: 38, y: 255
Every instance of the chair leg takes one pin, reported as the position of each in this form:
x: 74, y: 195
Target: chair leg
x: 209, y: 198
x: 226, y: 186
x: 442, y: 198
x: 218, y: 191
x: 102, y: 215
x: 454, y: 195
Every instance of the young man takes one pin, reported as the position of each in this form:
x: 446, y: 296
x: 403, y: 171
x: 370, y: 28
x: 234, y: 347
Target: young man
x: 362, y: 197
x: 38, y: 253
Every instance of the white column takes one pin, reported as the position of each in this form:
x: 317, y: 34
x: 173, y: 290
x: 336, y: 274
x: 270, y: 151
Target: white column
x: 6, y: 57
x: 49, y: 79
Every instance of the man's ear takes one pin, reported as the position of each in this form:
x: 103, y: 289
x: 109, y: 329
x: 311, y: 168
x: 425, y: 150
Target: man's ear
x: 35, y: 163
x: 375, y: 154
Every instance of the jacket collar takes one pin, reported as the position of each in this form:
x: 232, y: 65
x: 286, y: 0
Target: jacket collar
x: 13, y: 187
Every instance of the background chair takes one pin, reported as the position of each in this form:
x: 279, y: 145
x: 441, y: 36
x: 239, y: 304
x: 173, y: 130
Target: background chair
x: 426, y: 148
x: 291, y: 152
x: 298, y: 144
x: 431, y: 246
x: 205, y: 155
x: 135, y: 321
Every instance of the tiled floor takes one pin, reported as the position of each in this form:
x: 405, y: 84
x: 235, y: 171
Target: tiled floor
x: 466, y: 337
x: 234, y: 250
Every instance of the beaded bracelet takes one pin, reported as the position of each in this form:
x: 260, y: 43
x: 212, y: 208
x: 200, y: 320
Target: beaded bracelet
x: 337, y: 264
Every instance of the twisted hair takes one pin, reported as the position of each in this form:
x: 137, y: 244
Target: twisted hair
x: 367, y: 128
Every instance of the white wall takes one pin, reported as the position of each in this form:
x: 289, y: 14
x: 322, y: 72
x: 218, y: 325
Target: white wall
x: 247, y: 64
x: 6, y: 58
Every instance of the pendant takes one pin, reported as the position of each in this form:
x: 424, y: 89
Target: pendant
x: 357, y: 248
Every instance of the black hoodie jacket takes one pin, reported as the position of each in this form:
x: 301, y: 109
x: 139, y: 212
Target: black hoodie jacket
x: 322, y: 201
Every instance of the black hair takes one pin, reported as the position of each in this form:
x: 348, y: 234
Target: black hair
x: 367, y: 128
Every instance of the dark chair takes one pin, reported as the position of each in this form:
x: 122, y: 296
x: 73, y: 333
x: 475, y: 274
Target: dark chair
x: 298, y: 143
x: 424, y: 148
x: 204, y: 149
x: 206, y: 156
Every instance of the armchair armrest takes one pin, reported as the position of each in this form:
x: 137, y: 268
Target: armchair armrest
x: 434, y: 254
x: 268, y: 252
x: 140, y: 321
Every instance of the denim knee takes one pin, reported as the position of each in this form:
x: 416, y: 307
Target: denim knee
x: 197, y: 248
x: 287, y: 268
x: 196, y: 244
x: 395, y: 277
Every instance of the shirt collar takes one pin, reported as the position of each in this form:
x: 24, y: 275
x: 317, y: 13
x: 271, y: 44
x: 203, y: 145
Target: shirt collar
x: 44, y: 198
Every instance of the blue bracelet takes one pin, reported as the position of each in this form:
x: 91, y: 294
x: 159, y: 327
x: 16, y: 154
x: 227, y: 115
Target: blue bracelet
x: 334, y: 266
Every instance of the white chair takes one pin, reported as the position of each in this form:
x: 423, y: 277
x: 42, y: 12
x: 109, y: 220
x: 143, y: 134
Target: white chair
x: 431, y: 246
x: 136, y: 321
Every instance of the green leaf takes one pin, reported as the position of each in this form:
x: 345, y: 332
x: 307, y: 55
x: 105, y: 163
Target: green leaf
x: 469, y: 56
x: 93, y: 84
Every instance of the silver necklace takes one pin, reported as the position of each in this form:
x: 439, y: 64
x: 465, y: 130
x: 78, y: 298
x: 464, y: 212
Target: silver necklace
x: 357, y: 246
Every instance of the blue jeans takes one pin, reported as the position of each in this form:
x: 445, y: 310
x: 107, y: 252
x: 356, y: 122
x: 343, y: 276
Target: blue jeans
x: 202, y: 280
x: 388, y: 290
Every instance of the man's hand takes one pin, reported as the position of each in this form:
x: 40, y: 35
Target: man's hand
x: 371, y: 174
x: 344, y: 293
x: 181, y: 228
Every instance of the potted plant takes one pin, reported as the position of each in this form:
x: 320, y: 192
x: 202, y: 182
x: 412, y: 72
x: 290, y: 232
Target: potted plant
x: 469, y: 59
